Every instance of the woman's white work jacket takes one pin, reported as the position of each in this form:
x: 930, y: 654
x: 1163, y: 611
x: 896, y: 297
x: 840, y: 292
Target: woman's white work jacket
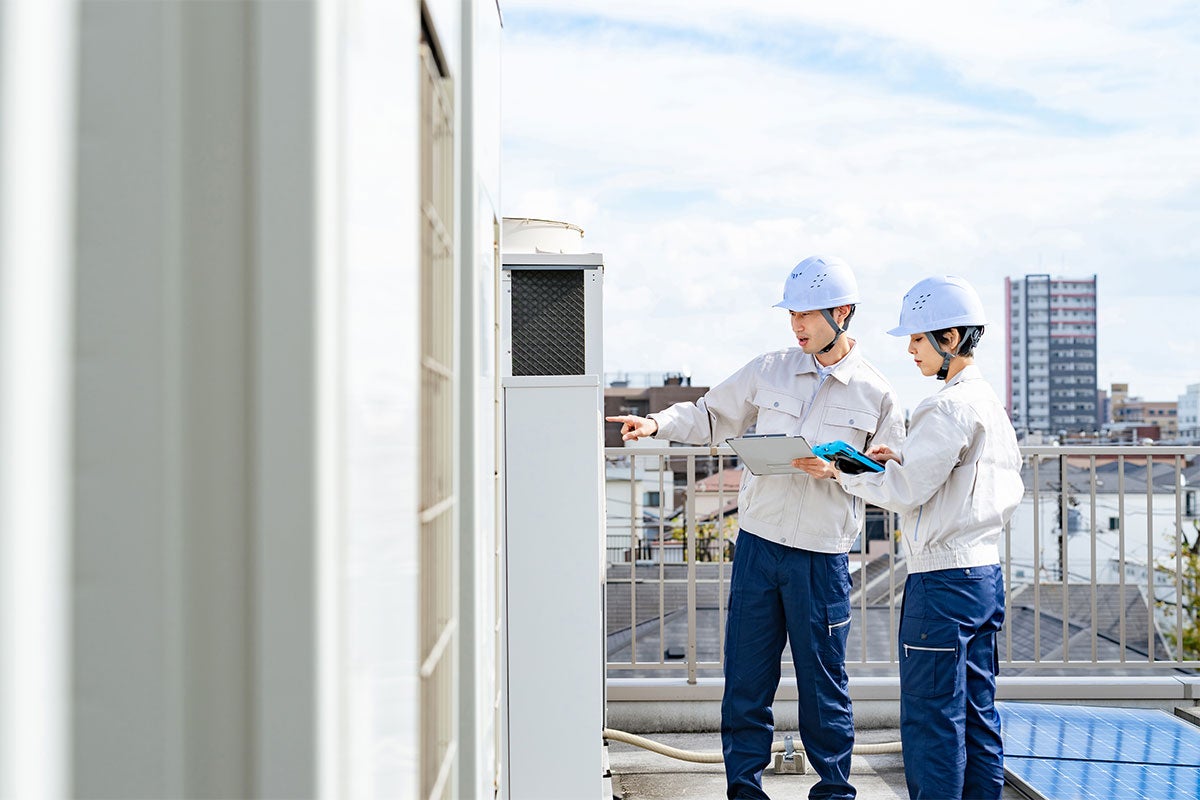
x: 959, y: 481
x: 781, y: 392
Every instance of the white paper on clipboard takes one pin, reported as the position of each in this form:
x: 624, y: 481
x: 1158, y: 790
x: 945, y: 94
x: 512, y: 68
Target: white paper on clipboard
x: 770, y: 454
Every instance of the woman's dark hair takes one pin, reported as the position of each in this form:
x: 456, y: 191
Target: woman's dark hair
x: 966, y: 344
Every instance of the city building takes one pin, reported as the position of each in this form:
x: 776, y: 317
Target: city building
x: 1189, y: 414
x: 1051, y: 338
x: 1103, y: 406
x: 1135, y: 419
x: 655, y: 392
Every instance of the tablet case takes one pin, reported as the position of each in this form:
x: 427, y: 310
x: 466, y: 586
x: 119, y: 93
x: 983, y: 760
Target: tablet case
x: 847, y: 458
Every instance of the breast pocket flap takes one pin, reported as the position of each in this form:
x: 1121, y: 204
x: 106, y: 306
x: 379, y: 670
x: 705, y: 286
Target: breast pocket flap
x: 779, y: 401
x: 859, y: 419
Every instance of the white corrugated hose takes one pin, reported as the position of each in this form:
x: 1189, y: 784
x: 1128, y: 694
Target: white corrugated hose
x: 717, y: 758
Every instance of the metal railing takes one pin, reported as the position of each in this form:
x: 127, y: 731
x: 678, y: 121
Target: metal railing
x: 1101, y: 564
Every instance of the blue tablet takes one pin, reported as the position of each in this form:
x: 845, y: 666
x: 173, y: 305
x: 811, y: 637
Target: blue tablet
x: 846, y: 458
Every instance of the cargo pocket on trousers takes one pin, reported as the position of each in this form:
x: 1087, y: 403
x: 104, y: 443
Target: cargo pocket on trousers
x: 929, y: 652
x: 834, y: 632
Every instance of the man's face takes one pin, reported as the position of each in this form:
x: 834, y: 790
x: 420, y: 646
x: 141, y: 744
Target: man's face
x: 812, y: 332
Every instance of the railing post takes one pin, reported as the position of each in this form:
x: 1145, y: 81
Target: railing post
x: 633, y: 559
x: 1179, y: 606
x: 889, y: 527
x: 721, y: 559
x: 634, y: 538
x: 1121, y: 546
x: 1150, y: 592
x: 1064, y: 521
x: 1092, y: 539
x: 691, y: 567
x: 1038, y: 562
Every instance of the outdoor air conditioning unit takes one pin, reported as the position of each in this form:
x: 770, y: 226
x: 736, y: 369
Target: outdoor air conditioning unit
x: 554, y: 652
x: 551, y: 317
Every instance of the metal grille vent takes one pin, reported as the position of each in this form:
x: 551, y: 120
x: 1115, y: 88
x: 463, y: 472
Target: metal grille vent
x: 547, y: 322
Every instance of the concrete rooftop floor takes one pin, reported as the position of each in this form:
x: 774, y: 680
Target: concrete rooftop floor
x: 639, y: 774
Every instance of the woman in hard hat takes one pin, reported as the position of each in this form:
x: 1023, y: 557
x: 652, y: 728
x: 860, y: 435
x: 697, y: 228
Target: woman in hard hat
x: 956, y: 483
x: 791, y: 580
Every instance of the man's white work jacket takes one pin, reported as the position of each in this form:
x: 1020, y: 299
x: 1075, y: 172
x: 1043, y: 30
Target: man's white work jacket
x: 959, y: 481
x: 781, y: 393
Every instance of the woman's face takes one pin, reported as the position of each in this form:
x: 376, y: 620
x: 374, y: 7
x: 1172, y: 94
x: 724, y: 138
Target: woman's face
x: 921, y: 349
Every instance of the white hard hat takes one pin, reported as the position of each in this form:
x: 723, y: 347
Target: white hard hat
x: 819, y: 282
x: 934, y: 304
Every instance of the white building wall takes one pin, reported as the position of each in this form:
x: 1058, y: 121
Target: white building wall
x: 382, y: 239
x: 382, y: 251
x: 225, y: 402
x: 205, y: 602
x: 1148, y: 527
x: 479, y: 179
x: 379, y: 182
x: 37, y: 89
x: 1189, y: 414
x: 625, y: 504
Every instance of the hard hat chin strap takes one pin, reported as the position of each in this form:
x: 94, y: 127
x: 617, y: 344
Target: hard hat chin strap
x: 838, y: 330
x: 945, y: 370
x: 969, y: 340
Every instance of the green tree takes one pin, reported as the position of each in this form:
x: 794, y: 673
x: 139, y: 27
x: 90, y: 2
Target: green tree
x: 1188, y: 601
x: 714, y: 538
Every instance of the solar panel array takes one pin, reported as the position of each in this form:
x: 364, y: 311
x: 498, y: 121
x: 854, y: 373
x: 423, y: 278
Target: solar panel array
x: 1061, y: 751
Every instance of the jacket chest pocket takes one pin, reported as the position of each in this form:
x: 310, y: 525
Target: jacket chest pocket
x: 778, y: 412
x: 850, y: 425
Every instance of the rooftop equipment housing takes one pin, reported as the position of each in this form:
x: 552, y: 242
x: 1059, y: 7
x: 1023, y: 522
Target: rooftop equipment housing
x: 551, y: 371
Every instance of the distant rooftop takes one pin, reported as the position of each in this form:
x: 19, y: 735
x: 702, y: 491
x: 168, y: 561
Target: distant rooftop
x: 648, y: 379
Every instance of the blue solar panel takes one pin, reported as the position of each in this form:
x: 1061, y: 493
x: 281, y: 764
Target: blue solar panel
x: 1089, y: 751
x: 1053, y: 778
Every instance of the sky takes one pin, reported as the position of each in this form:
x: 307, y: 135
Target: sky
x: 705, y: 148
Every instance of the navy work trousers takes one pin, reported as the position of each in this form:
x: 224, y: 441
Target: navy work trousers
x: 949, y: 724
x: 780, y: 593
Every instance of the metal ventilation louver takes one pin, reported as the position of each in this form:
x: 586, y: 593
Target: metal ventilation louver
x: 548, y: 322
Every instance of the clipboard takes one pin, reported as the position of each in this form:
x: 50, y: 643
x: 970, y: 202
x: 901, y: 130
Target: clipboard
x: 771, y: 453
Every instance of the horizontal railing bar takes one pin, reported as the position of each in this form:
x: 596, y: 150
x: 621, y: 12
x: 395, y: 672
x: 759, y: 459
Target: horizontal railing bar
x: 682, y: 666
x: 1102, y: 691
x: 1047, y: 451
x: 853, y: 666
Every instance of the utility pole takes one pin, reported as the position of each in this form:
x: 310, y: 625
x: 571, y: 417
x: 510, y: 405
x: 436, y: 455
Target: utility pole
x: 1066, y: 499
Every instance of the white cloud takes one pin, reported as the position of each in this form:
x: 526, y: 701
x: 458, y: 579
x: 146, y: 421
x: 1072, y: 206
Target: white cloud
x: 1032, y: 137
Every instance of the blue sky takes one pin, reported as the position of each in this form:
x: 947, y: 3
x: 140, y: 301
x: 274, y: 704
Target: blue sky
x: 705, y: 148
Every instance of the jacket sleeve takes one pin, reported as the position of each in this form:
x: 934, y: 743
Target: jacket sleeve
x: 933, y: 448
x: 724, y: 411
x: 890, y: 430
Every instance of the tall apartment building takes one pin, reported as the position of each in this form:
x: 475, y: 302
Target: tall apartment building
x: 1051, y: 334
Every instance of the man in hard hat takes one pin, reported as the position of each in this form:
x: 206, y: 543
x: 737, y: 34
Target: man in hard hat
x: 957, y: 483
x: 790, y: 578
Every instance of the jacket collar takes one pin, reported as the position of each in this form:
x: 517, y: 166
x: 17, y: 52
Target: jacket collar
x: 842, y: 370
x: 969, y: 373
